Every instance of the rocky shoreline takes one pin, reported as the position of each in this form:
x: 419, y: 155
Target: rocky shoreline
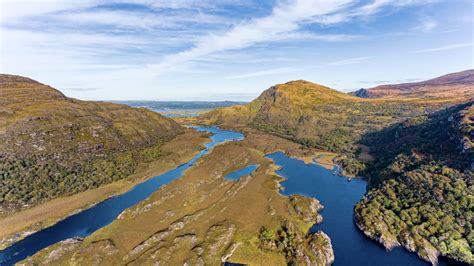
x: 427, y: 253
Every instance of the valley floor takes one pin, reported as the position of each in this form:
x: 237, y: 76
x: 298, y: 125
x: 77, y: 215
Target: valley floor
x: 18, y: 225
x: 203, y: 218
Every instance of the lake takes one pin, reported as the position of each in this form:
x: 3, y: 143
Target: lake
x: 339, y: 196
x: 336, y: 193
x: 236, y: 175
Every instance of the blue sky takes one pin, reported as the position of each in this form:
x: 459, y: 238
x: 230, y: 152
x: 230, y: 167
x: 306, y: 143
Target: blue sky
x: 230, y: 49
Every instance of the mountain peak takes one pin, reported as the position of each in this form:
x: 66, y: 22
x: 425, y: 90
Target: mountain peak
x: 18, y: 89
x: 305, y: 92
x: 7, y: 79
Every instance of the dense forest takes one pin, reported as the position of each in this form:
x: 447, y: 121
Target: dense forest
x: 33, y: 179
x: 422, y: 185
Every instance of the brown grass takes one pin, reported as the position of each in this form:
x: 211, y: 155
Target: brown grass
x: 181, y: 149
x: 201, y: 214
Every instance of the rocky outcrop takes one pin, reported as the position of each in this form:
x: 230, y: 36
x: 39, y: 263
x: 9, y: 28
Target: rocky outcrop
x: 422, y: 247
x: 321, y: 248
x: 307, y: 208
x: 386, y: 239
x: 53, y: 253
x: 361, y: 93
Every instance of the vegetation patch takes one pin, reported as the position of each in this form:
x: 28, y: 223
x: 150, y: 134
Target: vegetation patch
x: 422, y: 190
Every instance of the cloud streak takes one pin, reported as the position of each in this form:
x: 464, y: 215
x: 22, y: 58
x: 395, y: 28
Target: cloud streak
x: 444, y: 48
x: 283, y: 23
x: 285, y: 18
x: 265, y: 73
x: 427, y: 24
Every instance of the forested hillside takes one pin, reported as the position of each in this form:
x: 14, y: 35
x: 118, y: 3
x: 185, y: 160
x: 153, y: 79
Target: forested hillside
x: 421, y: 180
x: 53, y: 145
x: 422, y: 185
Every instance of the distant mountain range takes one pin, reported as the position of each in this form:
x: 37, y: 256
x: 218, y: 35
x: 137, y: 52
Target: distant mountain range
x: 171, y: 106
x: 459, y: 85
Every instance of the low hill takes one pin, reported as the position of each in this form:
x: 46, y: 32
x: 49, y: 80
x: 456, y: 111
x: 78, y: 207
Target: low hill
x: 459, y: 85
x: 422, y: 185
x: 52, y: 145
x: 316, y: 115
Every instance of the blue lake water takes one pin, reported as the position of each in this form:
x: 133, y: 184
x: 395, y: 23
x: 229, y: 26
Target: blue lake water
x: 236, y: 175
x: 338, y: 195
x: 90, y: 220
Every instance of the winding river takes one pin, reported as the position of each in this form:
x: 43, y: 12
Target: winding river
x: 90, y: 220
x: 338, y: 196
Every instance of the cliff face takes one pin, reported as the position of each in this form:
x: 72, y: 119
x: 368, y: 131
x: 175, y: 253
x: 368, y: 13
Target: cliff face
x: 48, y: 142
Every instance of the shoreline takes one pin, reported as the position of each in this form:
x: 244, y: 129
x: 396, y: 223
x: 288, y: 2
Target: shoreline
x: 19, y: 225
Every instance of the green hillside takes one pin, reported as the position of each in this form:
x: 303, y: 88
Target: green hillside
x: 422, y: 181
x: 318, y: 116
x: 53, y: 145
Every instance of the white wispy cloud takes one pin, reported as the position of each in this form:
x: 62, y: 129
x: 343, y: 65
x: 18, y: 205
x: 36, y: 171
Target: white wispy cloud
x: 426, y: 24
x: 285, y: 18
x: 284, y: 23
x: 367, y: 10
x: 265, y: 72
x: 162, y: 46
x: 17, y: 9
x: 446, y: 47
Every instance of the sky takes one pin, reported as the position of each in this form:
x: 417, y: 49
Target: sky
x: 230, y: 49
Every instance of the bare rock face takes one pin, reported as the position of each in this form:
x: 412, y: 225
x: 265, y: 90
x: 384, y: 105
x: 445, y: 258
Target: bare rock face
x: 321, y: 248
x: 53, y: 253
x: 218, y: 238
x: 387, y: 240
x: 103, y: 251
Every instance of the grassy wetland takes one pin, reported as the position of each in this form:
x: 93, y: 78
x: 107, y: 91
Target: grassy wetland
x: 218, y: 220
